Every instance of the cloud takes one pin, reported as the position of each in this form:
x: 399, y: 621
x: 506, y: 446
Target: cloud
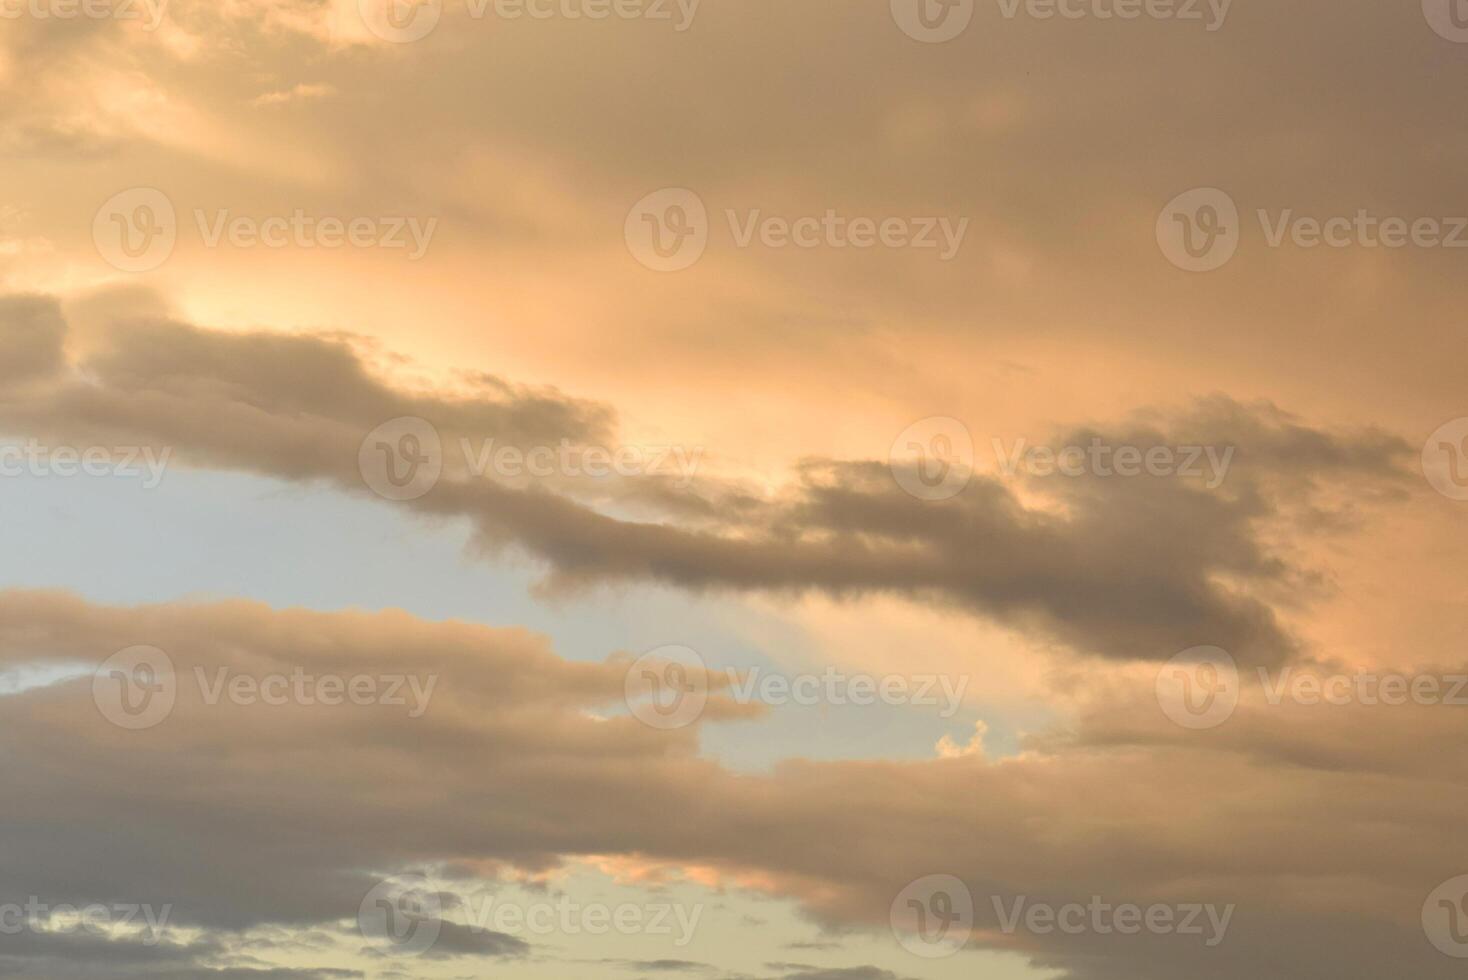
x: 455, y: 940
x: 299, y: 92
x: 517, y: 763
x: 30, y: 955
x: 1136, y: 568
x: 838, y: 973
x: 1327, y: 826
x: 662, y: 966
x: 34, y: 333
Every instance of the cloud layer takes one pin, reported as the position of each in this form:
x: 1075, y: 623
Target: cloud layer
x: 523, y: 760
x: 1127, y: 568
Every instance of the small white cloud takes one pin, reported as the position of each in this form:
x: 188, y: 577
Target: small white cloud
x: 298, y: 93
x: 949, y: 749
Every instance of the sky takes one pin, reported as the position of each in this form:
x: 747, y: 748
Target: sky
x: 730, y: 490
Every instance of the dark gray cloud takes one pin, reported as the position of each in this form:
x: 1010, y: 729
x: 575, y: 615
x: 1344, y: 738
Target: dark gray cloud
x: 456, y: 940
x: 661, y: 966
x: 1327, y: 828
x: 32, y: 955
x: 1135, y: 568
x: 835, y: 973
x: 34, y: 332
